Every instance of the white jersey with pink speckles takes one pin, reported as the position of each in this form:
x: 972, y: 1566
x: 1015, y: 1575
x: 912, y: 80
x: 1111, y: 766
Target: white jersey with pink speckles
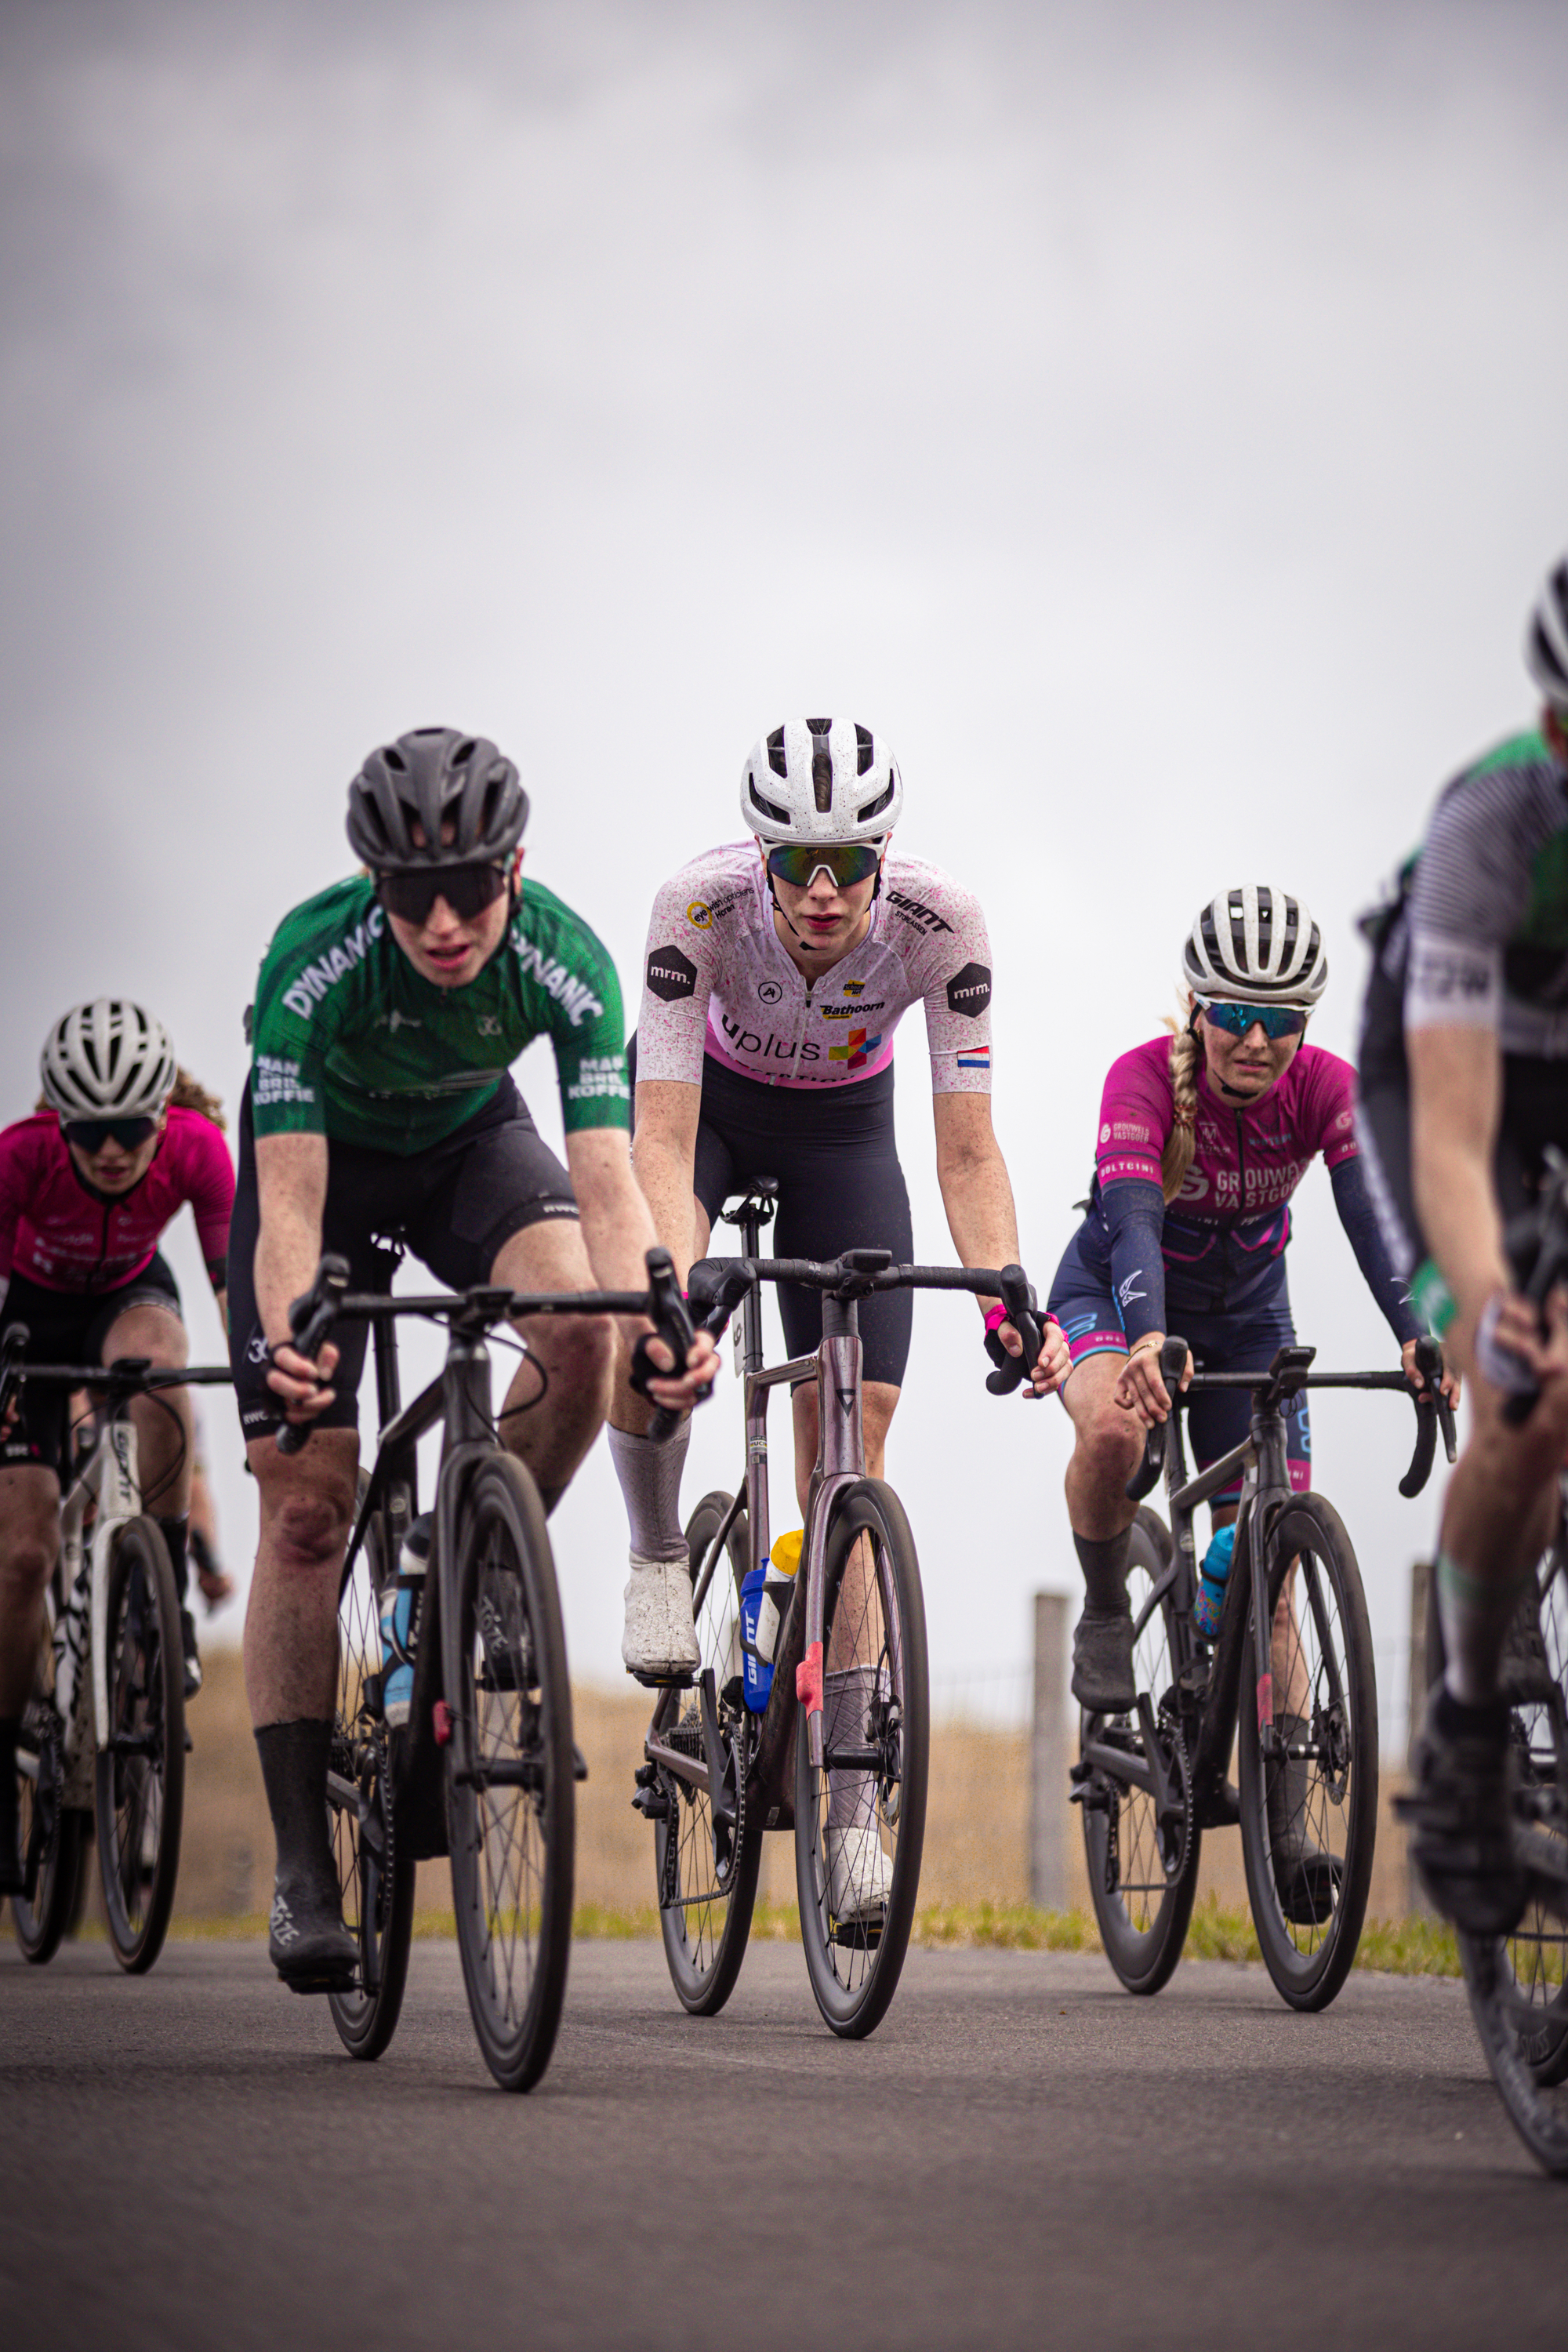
x: 717, y: 981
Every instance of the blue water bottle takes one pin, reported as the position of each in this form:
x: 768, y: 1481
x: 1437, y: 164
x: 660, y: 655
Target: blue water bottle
x: 764, y: 1598
x: 1213, y: 1578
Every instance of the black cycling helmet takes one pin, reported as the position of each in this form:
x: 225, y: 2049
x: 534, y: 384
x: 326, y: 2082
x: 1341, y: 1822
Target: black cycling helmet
x: 433, y: 777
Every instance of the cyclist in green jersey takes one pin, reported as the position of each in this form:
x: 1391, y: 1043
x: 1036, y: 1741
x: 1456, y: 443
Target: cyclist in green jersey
x: 388, y: 1012
x: 1464, y: 1090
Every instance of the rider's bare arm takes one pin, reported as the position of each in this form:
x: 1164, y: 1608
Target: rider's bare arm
x: 291, y: 1191
x: 1456, y: 1103
x: 977, y: 1195
x: 617, y: 1229
x: 664, y: 1149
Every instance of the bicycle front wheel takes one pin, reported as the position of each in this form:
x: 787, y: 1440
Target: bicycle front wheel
x: 859, y: 1817
x: 1308, y: 1811
x: 511, y: 1809
x: 708, y: 1875
x: 1140, y: 1841
x: 141, y: 1770
x: 50, y: 1834
x: 376, y: 1882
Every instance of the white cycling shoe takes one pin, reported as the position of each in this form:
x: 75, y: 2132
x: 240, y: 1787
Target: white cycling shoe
x: 859, y: 1875
x: 659, y: 1644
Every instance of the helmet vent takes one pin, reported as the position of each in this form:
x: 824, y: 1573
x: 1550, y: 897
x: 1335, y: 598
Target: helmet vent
x: 875, y: 808
x: 767, y: 808
x: 463, y: 752
x: 778, y: 759
x: 395, y: 759
x: 865, y: 750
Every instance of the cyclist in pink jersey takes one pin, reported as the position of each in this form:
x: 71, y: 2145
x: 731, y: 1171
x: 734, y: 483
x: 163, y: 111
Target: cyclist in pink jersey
x: 86, y: 1187
x: 777, y: 971
x: 1202, y: 1139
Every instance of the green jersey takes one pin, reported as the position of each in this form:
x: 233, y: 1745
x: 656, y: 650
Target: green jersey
x: 351, y: 1043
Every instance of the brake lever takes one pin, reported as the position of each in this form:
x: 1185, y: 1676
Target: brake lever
x: 671, y: 1321
x: 1023, y: 1308
x: 1144, y: 1479
x: 310, y: 1320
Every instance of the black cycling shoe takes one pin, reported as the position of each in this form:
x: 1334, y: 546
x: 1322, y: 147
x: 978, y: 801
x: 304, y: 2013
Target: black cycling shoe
x: 1305, y: 1877
x: 188, y: 1650
x: 1102, y: 1661
x: 1460, y: 1811
x: 307, y: 1944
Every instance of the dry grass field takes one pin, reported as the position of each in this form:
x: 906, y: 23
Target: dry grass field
x: 977, y: 1838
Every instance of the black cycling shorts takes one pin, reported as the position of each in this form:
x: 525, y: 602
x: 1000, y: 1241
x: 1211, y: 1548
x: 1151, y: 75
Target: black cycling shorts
x: 833, y: 1155
x: 453, y: 1206
x: 69, y: 1326
x: 1534, y: 1113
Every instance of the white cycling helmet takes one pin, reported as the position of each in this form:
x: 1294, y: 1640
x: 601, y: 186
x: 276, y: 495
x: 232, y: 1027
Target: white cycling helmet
x: 1546, y: 639
x: 107, y: 1060
x: 1256, y: 945
x: 821, y: 779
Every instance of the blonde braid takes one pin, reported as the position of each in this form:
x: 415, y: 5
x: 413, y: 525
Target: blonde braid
x: 1186, y: 1048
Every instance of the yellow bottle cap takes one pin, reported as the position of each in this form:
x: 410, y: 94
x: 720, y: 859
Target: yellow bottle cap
x: 787, y: 1551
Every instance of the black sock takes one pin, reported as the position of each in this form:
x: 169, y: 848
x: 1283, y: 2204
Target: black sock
x: 175, y: 1533
x: 294, y: 1759
x: 1104, y: 1567
x: 1461, y: 1722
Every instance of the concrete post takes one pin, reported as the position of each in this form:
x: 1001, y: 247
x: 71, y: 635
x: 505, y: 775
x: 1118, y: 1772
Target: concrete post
x: 1422, y: 1601
x: 1048, y: 1755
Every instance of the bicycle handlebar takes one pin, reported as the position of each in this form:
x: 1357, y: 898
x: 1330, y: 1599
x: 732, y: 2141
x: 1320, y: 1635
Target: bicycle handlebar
x: 130, y: 1375
x: 718, y: 1285
x: 1285, y: 1377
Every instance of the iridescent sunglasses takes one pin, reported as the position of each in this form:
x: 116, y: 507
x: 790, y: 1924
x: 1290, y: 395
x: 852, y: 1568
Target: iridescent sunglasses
x: 848, y: 862
x: 1276, y: 1020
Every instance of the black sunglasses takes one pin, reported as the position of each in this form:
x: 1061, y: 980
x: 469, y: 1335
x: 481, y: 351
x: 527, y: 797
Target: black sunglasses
x: 411, y: 891
x: 91, y: 1134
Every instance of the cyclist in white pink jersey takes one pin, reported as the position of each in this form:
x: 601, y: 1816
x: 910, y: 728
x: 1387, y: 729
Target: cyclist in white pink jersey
x: 86, y: 1187
x: 777, y: 971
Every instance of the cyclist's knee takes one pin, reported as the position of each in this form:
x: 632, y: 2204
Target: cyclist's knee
x: 309, y: 1531
x: 149, y: 1330
x: 1108, y: 1447
x: 583, y: 1355
x: 26, y: 1561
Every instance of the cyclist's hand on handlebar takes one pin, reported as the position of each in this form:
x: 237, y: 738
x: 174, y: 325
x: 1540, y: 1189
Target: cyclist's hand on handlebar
x: 1448, y: 1384
x: 680, y: 1391
x: 304, y: 1387
x: 1140, y: 1389
x: 1050, y: 1367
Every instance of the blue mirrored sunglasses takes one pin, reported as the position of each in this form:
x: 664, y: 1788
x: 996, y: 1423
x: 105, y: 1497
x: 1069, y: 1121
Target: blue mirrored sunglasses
x: 847, y: 862
x: 1277, y: 1020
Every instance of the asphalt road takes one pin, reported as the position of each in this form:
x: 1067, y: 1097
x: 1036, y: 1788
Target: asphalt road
x: 1022, y: 2155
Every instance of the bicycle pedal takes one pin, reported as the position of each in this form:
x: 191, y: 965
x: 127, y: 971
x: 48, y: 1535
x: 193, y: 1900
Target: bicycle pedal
x: 1222, y: 1809
x: 685, y: 1680
x: 579, y: 1763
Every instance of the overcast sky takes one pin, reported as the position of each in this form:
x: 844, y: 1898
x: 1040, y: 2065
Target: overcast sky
x: 1149, y: 418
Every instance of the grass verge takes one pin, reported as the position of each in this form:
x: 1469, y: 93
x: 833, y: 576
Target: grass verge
x: 1406, y: 1947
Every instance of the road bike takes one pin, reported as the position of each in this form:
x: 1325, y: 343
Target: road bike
x: 484, y: 1769
x: 841, y: 1746
x: 103, y: 1740
x: 1288, y: 1681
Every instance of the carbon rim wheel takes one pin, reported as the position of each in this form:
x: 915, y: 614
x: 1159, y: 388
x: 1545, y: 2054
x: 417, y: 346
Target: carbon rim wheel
x: 377, y: 1895
x: 1140, y: 1843
x: 1309, y: 1818
x: 873, y: 1630
x: 140, y: 1771
x: 707, y: 1893
x: 512, y: 1819
x: 39, y: 1924
x: 1538, y: 2110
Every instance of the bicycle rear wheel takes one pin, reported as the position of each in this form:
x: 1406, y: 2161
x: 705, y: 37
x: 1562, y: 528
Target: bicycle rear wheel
x: 377, y: 1884
x: 512, y: 1813
x: 50, y: 1834
x: 140, y: 1771
x: 859, y: 1826
x: 1309, y: 1816
x: 1140, y: 1841
x: 707, y: 1885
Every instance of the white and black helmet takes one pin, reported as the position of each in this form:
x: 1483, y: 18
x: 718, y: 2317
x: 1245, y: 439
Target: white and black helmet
x: 107, y: 1060
x: 1256, y: 945
x: 821, y: 779
x: 1546, y: 639
x: 434, y: 777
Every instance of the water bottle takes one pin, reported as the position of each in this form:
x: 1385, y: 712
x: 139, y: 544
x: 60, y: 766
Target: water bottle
x: 1213, y: 1578
x: 400, y: 1622
x: 764, y: 1597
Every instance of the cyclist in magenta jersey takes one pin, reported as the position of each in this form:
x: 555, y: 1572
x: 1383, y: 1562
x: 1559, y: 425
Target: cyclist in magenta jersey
x: 87, y: 1188
x: 777, y: 969
x: 1204, y: 1137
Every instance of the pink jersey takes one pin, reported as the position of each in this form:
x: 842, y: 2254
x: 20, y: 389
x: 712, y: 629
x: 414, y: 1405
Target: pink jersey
x: 57, y: 1233
x: 718, y: 981
x: 1248, y: 1158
